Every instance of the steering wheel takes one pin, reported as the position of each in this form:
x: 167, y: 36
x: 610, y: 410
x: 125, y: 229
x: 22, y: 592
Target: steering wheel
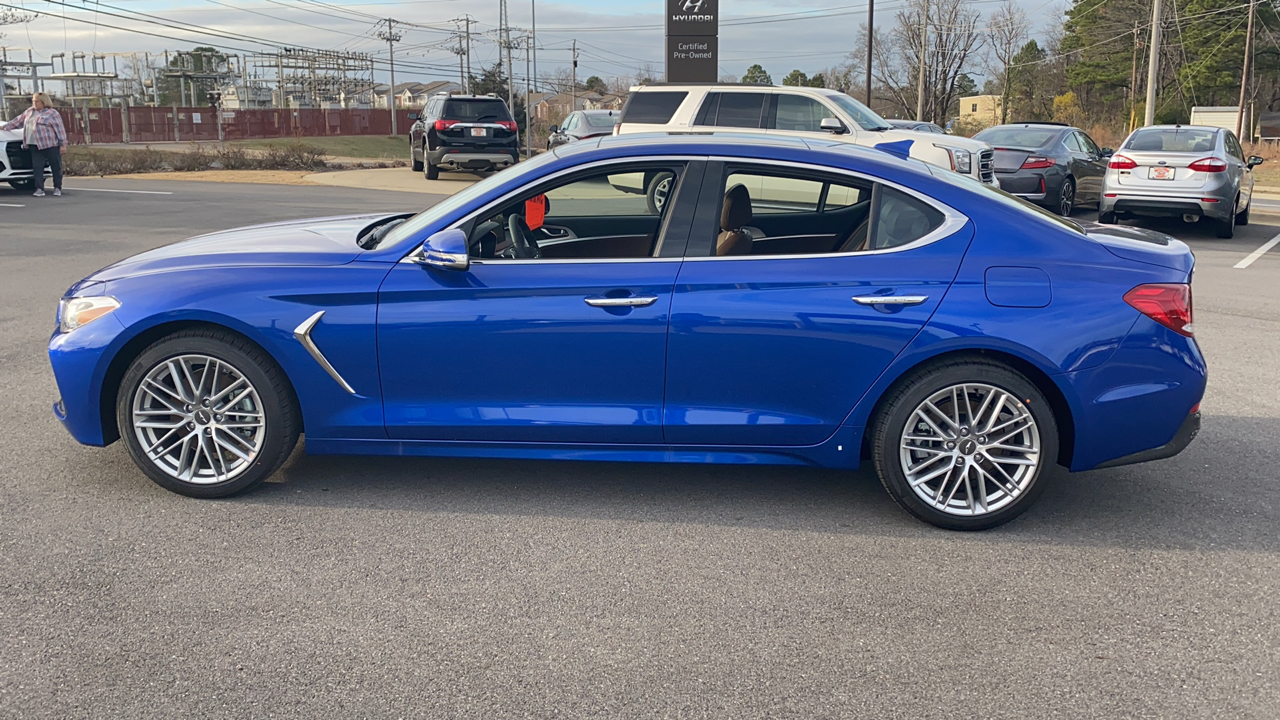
x: 525, y: 246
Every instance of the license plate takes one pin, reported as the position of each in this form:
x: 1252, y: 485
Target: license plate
x: 479, y: 132
x: 1162, y: 173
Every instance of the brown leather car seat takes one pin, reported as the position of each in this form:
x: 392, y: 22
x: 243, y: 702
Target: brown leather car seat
x: 735, y: 215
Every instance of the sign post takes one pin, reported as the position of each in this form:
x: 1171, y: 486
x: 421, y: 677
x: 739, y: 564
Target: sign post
x: 693, y: 27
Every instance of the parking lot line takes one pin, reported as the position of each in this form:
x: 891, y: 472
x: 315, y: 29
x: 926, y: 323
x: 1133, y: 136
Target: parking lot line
x: 1258, y: 253
x: 136, y: 192
x: 11, y: 205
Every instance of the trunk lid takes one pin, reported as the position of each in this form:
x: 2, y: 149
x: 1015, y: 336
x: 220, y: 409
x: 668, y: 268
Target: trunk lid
x: 1142, y: 245
x: 1161, y: 170
x: 1010, y: 159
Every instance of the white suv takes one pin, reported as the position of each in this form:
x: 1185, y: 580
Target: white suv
x: 15, y: 161
x: 794, y: 111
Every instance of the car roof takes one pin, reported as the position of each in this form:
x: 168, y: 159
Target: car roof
x: 1045, y: 125
x: 1207, y: 128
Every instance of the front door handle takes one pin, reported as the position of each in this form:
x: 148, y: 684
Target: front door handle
x: 634, y: 301
x: 889, y: 299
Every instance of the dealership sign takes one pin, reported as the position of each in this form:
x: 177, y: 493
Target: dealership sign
x: 692, y: 52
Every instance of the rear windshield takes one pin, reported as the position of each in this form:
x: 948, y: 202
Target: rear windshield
x: 1172, y: 140
x: 601, y: 121
x: 1017, y: 137
x: 652, y: 107
x: 475, y: 110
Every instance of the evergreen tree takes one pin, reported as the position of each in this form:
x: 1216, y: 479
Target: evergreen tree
x: 756, y: 75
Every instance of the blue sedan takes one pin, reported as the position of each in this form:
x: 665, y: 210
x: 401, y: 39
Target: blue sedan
x: 791, y: 302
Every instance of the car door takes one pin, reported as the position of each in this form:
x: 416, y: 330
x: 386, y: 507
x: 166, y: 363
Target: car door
x: 1094, y: 168
x: 1239, y: 167
x: 775, y: 348
x: 558, y: 349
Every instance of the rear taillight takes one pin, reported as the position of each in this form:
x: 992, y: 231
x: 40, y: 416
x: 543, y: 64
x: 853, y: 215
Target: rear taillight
x: 1209, y: 164
x: 508, y: 124
x: 1036, y: 162
x: 1120, y: 162
x: 445, y: 124
x: 1167, y: 303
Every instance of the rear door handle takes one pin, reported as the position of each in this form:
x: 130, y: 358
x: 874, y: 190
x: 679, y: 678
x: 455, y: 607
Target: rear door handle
x: 890, y: 299
x: 634, y: 301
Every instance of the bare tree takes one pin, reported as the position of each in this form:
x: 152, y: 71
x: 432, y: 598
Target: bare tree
x: 1008, y: 29
x: 953, y: 40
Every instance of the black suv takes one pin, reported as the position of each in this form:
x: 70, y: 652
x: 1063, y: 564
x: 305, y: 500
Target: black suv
x: 464, y: 132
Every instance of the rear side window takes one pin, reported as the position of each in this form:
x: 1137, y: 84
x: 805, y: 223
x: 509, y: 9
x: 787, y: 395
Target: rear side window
x: 800, y: 114
x: 899, y: 219
x: 740, y: 110
x: 475, y: 110
x: 652, y: 107
x: 1172, y: 140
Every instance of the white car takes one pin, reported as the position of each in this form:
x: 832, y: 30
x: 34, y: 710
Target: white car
x: 795, y: 112
x: 15, y: 162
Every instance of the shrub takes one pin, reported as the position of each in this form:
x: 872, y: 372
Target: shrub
x: 231, y: 157
x: 292, y: 156
x: 194, y: 159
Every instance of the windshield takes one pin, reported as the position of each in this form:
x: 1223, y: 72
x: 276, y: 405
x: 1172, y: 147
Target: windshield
x: 866, y: 118
x: 1004, y: 198
x: 600, y: 121
x: 1017, y: 137
x: 1172, y: 140
x: 460, y: 199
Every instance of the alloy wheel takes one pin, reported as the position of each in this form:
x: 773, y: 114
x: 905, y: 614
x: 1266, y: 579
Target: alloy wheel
x: 970, y: 449
x: 198, y: 419
x: 1068, y: 201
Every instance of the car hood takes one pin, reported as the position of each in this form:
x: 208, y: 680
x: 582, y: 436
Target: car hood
x: 8, y: 135
x: 951, y: 141
x: 315, y: 241
x: 1142, y: 245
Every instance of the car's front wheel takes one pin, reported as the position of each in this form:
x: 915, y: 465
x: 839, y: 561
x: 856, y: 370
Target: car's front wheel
x: 206, y: 414
x: 23, y: 184
x: 965, y: 445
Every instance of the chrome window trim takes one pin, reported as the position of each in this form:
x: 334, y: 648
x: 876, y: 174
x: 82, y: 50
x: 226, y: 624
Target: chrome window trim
x: 953, y: 220
x: 684, y: 159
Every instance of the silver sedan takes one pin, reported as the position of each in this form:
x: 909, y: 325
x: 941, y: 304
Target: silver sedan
x: 1171, y: 170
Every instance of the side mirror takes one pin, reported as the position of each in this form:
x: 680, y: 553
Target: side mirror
x: 1108, y: 152
x: 1254, y: 161
x: 446, y: 250
x: 553, y: 129
x: 832, y: 125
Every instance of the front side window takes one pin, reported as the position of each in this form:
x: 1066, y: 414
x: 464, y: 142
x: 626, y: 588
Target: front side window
x: 1090, y: 146
x: 652, y: 107
x: 740, y: 110
x: 1073, y: 143
x: 614, y: 213
x: 1233, y: 147
x: 798, y: 113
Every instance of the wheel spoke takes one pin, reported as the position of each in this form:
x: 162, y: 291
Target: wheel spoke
x: 160, y: 425
x: 968, y: 406
x: 939, y: 413
x: 981, y: 483
x: 1008, y: 490
x: 1014, y: 460
x: 240, y: 396
x: 922, y: 480
x: 214, y: 400
x: 148, y: 383
x: 231, y: 448
x: 995, y: 413
x: 942, y: 435
x: 926, y: 463
x: 191, y: 382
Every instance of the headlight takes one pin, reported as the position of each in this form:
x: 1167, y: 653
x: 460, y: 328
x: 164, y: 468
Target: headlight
x: 78, y: 311
x: 961, y: 160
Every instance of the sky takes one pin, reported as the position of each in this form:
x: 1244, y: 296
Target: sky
x: 614, y: 39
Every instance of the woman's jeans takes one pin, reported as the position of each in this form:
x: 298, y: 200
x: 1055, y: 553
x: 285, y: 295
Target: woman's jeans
x: 51, y: 156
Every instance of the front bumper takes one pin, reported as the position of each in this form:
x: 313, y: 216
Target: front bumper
x: 80, y: 360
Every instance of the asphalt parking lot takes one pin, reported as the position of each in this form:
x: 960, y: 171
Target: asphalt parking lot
x: 385, y: 587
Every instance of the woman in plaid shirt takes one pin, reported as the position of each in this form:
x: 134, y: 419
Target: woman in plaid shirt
x: 45, y: 136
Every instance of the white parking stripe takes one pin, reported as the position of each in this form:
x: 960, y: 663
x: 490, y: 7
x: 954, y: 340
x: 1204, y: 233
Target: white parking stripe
x: 136, y: 192
x: 11, y: 205
x: 1258, y: 253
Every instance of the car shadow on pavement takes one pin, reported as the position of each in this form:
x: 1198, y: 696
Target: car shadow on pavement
x: 1220, y: 494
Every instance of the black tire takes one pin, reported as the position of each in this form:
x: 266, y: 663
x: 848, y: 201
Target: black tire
x: 1242, y: 217
x: 417, y: 164
x: 1107, y: 218
x: 889, y: 427
x: 432, y: 171
x: 1226, y: 228
x: 23, y: 184
x: 658, y: 191
x: 1066, y: 198
x: 281, y: 416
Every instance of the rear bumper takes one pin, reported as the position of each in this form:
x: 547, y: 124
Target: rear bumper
x: 463, y: 158
x: 1186, y: 433
x: 1125, y: 203
x: 1035, y: 185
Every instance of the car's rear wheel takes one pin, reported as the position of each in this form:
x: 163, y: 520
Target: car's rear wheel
x: 1226, y: 227
x: 417, y: 164
x: 1066, y: 198
x: 206, y: 414
x: 658, y: 191
x: 965, y: 445
x: 1107, y: 218
x: 1242, y: 217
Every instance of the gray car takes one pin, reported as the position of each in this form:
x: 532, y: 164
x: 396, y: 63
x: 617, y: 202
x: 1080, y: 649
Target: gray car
x: 1053, y: 165
x: 1180, y: 170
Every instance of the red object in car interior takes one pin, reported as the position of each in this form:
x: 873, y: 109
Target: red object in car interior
x: 1167, y: 303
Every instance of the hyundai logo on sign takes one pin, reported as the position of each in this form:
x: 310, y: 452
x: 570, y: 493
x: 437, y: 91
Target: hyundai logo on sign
x: 692, y: 17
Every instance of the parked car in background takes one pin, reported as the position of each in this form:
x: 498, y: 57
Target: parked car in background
x: 15, y: 162
x: 916, y: 125
x: 786, y: 111
x: 1170, y: 170
x: 463, y: 132
x: 792, y: 302
x: 582, y: 124
x: 1050, y: 164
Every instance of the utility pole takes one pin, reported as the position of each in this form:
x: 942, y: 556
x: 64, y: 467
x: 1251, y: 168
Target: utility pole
x: 528, y: 97
x: 1133, y: 80
x: 392, y: 37
x: 460, y: 51
x: 871, y: 39
x: 1153, y: 65
x: 924, y: 45
x: 1244, y: 76
x: 504, y: 34
x: 533, y: 22
x: 573, y: 84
